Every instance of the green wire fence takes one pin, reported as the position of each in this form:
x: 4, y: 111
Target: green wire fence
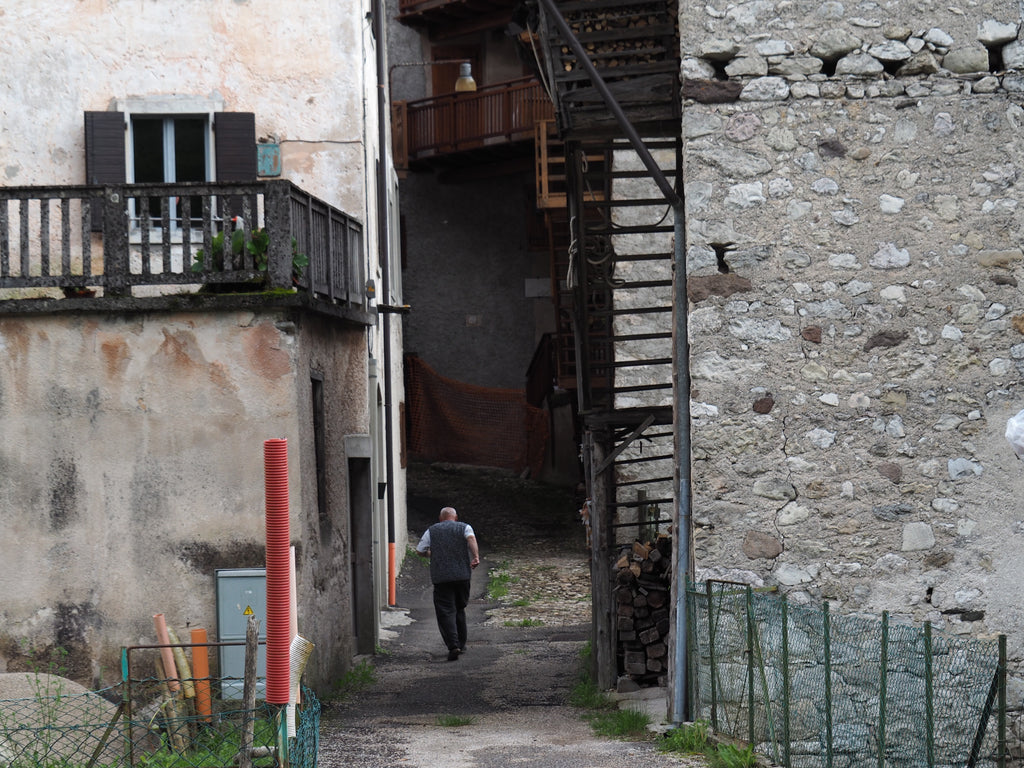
x: 812, y: 689
x: 62, y: 725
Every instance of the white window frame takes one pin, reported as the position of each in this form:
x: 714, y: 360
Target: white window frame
x: 168, y: 107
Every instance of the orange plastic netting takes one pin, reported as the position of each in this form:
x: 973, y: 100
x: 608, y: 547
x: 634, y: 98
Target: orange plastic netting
x: 449, y: 420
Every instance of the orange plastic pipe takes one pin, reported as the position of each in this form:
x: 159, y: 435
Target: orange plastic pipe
x: 275, y: 460
x: 201, y: 672
x: 166, y: 654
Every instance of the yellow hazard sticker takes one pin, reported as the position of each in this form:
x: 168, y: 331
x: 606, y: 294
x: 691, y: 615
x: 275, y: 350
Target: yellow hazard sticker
x: 248, y: 611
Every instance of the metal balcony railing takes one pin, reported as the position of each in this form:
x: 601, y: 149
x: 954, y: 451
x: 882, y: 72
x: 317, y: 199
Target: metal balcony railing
x: 257, y: 236
x: 458, y: 122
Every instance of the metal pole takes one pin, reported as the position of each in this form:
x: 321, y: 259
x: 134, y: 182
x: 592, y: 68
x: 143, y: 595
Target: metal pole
x: 1001, y: 715
x: 681, y: 418
x: 929, y: 704
x: 750, y: 663
x: 882, y: 682
x: 384, y: 258
x: 711, y: 657
x: 827, y: 638
x: 786, y: 759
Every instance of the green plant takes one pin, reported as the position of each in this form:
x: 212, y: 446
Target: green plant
x: 416, y: 557
x: 620, y: 723
x: 525, y: 623
x: 586, y: 695
x: 690, y: 739
x: 455, y: 721
x: 380, y: 650
x: 731, y: 756
x: 521, y: 602
x: 357, y: 679
x: 498, y: 580
x: 257, y: 247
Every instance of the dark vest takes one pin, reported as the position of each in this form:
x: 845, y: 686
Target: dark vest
x: 449, y: 552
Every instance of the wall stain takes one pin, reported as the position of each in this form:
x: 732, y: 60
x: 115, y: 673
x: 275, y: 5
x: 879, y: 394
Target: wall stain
x: 263, y: 350
x: 206, y: 558
x: 62, y: 481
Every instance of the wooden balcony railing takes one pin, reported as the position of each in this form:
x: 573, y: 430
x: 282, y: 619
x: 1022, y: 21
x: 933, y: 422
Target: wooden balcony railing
x: 268, y: 235
x: 459, y: 122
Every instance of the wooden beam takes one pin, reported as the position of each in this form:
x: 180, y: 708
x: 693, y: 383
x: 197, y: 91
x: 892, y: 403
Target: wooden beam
x: 606, y: 462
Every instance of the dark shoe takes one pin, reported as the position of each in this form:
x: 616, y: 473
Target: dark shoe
x: 453, y: 654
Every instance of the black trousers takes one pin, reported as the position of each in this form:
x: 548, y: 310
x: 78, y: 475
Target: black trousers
x: 450, y: 600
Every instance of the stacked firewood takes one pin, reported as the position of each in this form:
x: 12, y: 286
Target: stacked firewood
x: 643, y: 584
x: 624, y: 36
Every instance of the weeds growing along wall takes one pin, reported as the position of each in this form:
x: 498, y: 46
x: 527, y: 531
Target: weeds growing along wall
x: 811, y: 688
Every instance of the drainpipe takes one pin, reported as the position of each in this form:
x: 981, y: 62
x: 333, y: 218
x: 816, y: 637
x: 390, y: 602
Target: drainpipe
x: 384, y: 247
x: 681, y: 369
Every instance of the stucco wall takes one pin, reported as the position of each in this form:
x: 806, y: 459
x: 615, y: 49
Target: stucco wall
x: 65, y: 57
x: 133, y: 466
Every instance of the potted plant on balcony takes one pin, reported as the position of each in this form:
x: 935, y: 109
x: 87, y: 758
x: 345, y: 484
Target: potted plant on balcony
x: 257, y: 246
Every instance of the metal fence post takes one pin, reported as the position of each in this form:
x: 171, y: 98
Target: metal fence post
x: 750, y: 662
x: 711, y: 658
x: 882, y: 680
x: 1001, y: 723
x: 929, y: 702
x: 827, y: 640
x: 786, y: 759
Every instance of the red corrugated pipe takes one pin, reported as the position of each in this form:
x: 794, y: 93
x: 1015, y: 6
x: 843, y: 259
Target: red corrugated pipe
x: 275, y: 463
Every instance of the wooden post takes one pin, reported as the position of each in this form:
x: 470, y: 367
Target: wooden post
x: 252, y: 644
x: 600, y: 571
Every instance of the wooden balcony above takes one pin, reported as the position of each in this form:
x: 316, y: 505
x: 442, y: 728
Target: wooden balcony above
x: 450, y: 18
x: 492, y: 123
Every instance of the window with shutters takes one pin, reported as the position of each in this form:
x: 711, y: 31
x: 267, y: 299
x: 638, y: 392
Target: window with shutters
x: 169, y: 139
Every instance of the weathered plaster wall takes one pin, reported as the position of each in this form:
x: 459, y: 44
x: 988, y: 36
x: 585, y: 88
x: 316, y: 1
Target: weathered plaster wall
x: 133, y: 466
x: 64, y: 57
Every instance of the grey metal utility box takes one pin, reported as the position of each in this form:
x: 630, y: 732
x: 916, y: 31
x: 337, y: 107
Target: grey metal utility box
x: 240, y: 591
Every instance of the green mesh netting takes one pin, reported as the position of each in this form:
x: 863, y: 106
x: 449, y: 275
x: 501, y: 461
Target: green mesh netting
x: 810, y: 688
x: 61, y: 725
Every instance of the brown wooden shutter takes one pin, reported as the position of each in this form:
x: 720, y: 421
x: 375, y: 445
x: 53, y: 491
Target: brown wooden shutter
x: 104, y: 154
x: 234, y: 139
x: 235, y: 144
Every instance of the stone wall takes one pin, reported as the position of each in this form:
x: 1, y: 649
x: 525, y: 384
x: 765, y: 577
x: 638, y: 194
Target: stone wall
x: 853, y: 241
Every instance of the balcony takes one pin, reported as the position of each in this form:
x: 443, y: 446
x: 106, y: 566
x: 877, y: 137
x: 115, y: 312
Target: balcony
x: 494, y: 122
x: 456, y: 17
x: 199, y: 243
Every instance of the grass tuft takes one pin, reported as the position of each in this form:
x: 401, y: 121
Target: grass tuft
x: 455, y: 721
x: 690, y: 739
x: 630, y: 724
x: 498, y: 580
x: 525, y: 623
x: 693, y: 739
x: 357, y: 679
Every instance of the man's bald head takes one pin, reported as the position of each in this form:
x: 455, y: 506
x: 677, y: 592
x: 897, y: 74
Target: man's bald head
x: 448, y: 513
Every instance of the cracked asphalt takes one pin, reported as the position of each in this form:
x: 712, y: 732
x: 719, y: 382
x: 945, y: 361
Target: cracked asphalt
x: 512, y: 685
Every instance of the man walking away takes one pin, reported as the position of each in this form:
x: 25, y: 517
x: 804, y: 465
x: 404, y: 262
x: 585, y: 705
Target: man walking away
x: 453, y: 552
